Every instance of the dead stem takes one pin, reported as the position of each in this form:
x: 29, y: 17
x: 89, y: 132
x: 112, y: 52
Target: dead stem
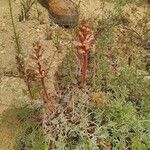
x: 24, y: 74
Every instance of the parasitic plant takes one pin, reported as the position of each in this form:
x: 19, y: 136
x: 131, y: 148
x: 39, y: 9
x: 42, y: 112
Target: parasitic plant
x: 41, y: 72
x: 83, y: 45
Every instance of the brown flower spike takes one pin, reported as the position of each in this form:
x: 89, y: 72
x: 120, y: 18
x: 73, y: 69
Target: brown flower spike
x: 83, y: 44
x: 41, y: 72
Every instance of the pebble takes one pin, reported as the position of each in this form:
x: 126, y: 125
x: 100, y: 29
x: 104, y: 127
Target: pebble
x: 147, y: 78
x: 3, y: 24
x: 38, y: 30
x: 2, y: 44
x: 2, y: 52
x: 3, y: 28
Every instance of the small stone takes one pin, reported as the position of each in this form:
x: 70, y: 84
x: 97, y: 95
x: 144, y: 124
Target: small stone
x: 142, y: 72
x: 3, y: 24
x: 38, y: 30
x: 3, y: 28
x: 2, y: 52
x: 147, y: 78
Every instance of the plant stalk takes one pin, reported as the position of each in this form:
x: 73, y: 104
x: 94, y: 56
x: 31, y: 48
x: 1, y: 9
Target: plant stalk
x: 84, y: 68
x: 18, y: 48
x: 47, y: 98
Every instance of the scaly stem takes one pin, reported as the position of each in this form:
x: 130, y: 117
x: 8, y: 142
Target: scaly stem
x: 84, y: 68
x: 47, y: 98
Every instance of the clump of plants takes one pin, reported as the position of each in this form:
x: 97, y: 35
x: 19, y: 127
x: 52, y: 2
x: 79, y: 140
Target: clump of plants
x: 109, y: 111
x: 25, y: 122
x: 26, y: 6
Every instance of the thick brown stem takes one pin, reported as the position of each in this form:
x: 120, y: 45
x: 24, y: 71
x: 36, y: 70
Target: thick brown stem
x: 45, y: 91
x: 47, y: 98
x: 84, y: 68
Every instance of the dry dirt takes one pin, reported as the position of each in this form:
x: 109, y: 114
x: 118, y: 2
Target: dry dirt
x: 34, y: 29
